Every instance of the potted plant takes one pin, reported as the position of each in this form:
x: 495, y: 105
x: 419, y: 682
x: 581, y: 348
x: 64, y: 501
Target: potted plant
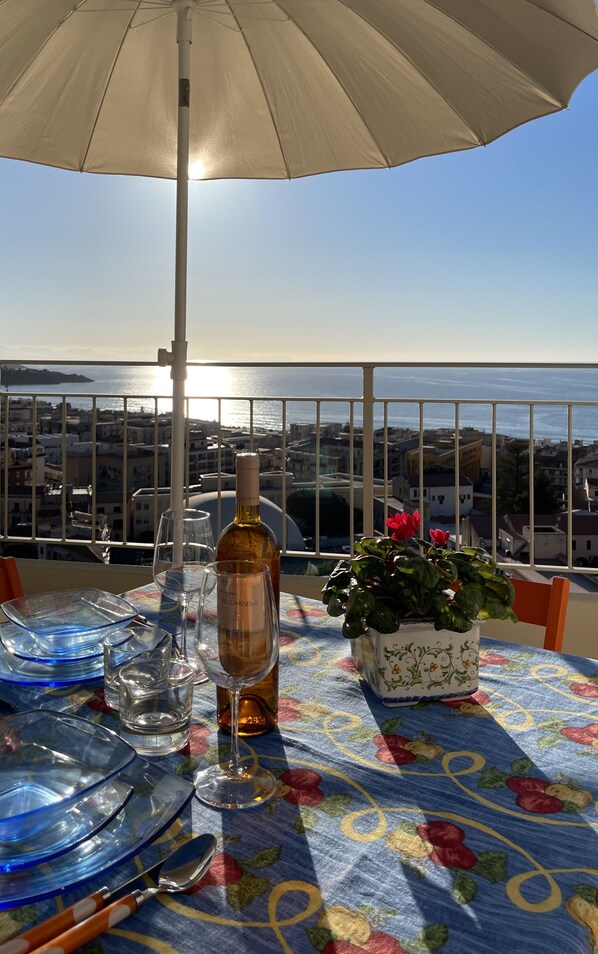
x: 413, y: 609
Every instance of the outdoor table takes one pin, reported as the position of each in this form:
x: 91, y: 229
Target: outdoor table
x: 434, y: 827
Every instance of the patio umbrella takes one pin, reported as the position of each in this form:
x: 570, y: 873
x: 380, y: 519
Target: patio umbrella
x: 280, y: 89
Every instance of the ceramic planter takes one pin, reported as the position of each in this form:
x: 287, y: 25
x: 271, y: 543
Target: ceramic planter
x: 418, y: 663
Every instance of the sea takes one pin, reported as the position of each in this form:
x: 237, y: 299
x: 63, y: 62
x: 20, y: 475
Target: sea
x: 239, y: 396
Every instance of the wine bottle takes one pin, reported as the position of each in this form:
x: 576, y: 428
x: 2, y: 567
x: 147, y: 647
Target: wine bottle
x: 248, y: 538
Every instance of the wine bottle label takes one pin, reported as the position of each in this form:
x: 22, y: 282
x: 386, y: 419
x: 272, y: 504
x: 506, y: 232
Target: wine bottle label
x: 244, y: 642
x: 241, y: 603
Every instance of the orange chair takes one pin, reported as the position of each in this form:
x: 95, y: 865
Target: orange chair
x: 544, y: 604
x: 10, y: 581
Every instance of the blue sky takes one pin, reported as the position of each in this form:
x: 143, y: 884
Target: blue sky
x: 489, y: 254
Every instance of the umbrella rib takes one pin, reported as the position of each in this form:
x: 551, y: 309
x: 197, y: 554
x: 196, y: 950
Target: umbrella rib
x: 503, y: 56
x: 551, y: 13
x: 416, y: 69
x: 106, y: 85
x: 37, y: 52
x: 266, y: 100
x: 387, y: 162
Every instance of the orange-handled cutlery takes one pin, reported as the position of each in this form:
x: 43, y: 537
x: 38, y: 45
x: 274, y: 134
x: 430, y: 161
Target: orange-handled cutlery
x: 183, y: 870
x: 80, y: 911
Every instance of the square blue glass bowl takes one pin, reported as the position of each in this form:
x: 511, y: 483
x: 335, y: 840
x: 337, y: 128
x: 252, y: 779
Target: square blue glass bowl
x: 48, y: 761
x: 70, y: 620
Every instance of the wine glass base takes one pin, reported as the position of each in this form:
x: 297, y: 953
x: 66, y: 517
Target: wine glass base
x: 216, y: 787
x: 201, y: 675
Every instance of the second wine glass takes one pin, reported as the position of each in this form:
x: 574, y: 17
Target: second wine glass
x: 183, y: 548
x: 237, y: 642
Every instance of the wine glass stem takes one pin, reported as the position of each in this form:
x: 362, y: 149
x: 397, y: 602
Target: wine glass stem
x: 234, y: 765
x: 184, y: 613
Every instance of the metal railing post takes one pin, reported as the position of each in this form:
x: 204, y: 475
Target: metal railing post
x: 368, y: 449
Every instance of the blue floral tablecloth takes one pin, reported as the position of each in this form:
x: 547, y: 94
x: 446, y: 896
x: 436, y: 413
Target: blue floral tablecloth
x: 437, y: 827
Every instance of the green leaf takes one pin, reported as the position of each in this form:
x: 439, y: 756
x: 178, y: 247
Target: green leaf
x: 426, y: 573
x: 335, y: 805
x: 340, y: 576
x: 587, y: 892
x: 246, y: 890
x: 494, y: 608
x: 457, y: 621
x: 265, y: 858
x: 352, y: 628
x: 360, y: 603
x: 571, y: 808
x: 464, y: 889
x: 319, y: 937
x: 362, y: 735
x: 389, y: 725
x: 379, y: 546
x: 306, y: 820
x: 449, y: 567
x: 470, y: 599
x: 367, y: 568
x: 551, y: 725
x: 522, y: 766
x: 491, y: 865
x: 549, y: 741
x: 212, y: 756
x: 409, y: 826
x: 383, y: 619
x: 334, y: 605
x: 432, y: 938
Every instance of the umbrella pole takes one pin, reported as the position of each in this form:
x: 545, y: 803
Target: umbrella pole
x: 178, y: 371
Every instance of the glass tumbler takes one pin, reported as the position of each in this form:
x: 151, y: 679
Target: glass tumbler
x: 155, y: 713
x: 149, y: 641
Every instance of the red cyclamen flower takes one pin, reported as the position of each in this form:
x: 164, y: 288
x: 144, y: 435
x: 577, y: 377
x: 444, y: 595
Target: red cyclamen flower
x: 439, y: 537
x: 403, y: 525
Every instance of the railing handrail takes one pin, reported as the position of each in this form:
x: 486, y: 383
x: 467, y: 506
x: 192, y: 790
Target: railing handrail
x: 221, y: 363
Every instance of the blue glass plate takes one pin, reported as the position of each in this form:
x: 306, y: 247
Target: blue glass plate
x: 27, y: 672
x: 84, y: 819
x: 20, y: 642
x: 48, y: 761
x: 158, y: 798
x: 71, y: 619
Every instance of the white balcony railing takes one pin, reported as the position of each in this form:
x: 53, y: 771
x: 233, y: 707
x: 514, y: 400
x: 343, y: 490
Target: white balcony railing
x: 73, y: 463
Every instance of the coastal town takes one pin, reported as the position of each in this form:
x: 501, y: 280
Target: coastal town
x: 89, y: 484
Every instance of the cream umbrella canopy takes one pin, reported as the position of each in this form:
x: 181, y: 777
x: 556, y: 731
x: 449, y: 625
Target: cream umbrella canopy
x: 281, y: 88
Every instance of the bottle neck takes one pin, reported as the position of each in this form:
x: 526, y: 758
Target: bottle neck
x: 247, y: 513
x: 248, y: 489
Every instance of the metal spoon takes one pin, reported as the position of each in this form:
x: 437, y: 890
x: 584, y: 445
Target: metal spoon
x: 179, y: 873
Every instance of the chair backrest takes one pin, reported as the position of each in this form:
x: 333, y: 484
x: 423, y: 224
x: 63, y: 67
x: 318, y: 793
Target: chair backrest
x: 10, y: 581
x: 544, y: 604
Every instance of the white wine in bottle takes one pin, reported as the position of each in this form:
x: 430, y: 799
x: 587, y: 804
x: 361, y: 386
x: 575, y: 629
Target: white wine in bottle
x: 247, y: 538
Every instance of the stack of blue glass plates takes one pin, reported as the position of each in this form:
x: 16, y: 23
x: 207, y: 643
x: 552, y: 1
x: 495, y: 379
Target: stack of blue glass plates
x: 58, y: 784
x: 55, y: 639
x: 74, y: 800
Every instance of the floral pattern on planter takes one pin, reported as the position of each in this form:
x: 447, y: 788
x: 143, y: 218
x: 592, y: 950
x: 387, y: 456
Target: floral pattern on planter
x: 418, y: 663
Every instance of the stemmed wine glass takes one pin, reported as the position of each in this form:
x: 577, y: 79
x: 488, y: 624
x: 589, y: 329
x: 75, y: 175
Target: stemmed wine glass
x: 237, y: 642
x: 183, y: 548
